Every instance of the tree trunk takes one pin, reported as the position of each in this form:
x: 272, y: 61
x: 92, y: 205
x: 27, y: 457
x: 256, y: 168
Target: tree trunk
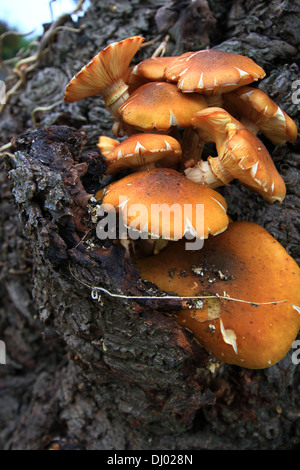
x: 86, y: 371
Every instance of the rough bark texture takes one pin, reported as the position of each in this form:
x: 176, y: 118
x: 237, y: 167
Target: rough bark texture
x: 120, y: 374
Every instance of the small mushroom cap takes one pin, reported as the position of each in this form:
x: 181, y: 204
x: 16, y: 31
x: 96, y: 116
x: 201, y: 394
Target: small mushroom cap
x: 107, y: 144
x: 141, y: 150
x: 242, y: 154
x: 259, y: 108
x: 153, y: 68
x: 170, y: 191
x: 212, y: 71
x: 134, y: 81
x: 104, y: 73
x: 149, y: 70
x: 159, y: 105
x: 248, y: 160
x: 246, y: 263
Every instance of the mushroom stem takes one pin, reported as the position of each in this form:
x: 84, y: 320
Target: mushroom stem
x: 192, y: 147
x: 209, y: 173
x: 251, y: 126
x: 120, y: 129
x: 143, y: 248
x: 147, y: 166
x: 215, y: 101
x: 219, y: 171
x: 113, y: 101
x: 112, y: 104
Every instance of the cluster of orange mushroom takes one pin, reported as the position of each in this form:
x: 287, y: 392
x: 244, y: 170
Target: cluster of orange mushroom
x: 165, y: 110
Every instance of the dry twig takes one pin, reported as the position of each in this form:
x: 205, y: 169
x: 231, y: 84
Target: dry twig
x: 27, y: 64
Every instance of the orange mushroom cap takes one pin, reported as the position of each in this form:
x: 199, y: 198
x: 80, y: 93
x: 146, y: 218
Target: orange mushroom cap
x: 149, y: 70
x: 153, y: 68
x: 141, y: 151
x: 168, y: 190
x: 241, y: 155
x: 245, y: 263
x: 107, y: 144
x: 134, y: 81
x: 261, y: 110
x: 104, y: 73
x: 212, y: 71
x: 159, y: 105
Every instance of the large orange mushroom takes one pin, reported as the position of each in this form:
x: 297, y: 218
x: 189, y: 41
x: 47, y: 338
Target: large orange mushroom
x: 246, y: 293
x: 163, y: 203
x: 160, y: 106
x: 212, y: 71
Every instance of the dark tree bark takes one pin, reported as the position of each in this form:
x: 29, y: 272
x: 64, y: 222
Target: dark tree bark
x: 117, y: 373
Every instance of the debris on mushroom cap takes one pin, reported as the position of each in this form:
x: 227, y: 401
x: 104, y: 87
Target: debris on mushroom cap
x: 164, y: 203
x: 104, y: 73
x: 107, y: 144
x: 152, y: 69
x: 212, y: 71
x: 244, y: 263
x: 159, y: 105
x: 254, y: 107
x: 141, y: 151
x: 241, y: 154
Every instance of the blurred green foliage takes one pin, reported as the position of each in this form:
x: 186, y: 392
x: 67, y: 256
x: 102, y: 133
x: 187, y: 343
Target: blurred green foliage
x: 12, y: 43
